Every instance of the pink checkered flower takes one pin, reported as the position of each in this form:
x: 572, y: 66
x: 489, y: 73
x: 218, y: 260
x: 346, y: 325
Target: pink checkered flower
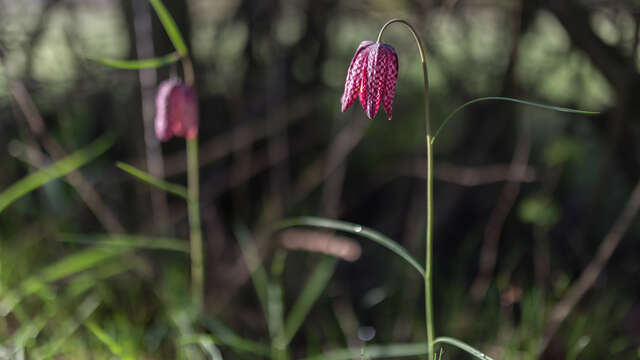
x: 176, y: 110
x: 372, y: 77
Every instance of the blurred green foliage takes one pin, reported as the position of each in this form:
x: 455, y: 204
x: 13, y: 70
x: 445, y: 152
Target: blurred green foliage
x: 260, y: 64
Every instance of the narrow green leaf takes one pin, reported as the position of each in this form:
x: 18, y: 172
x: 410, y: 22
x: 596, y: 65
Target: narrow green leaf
x: 76, y: 263
x: 108, y: 341
x: 129, y: 241
x: 172, y: 188
x: 170, y: 27
x: 139, y: 64
x: 206, y: 342
x: 356, y: 230
x: 374, y: 352
x: 70, y: 265
x: 31, y: 327
x: 83, y: 282
x: 58, y: 169
x: 182, y: 318
x: 500, y: 98
x: 462, y: 346
x: 67, y: 328
x: 252, y: 258
x: 28, y: 331
x: 224, y: 335
x: 275, y: 320
x: 312, y: 290
x: 397, y: 350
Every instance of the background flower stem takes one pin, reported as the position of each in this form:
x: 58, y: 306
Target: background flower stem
x: 428, y: 303
x: 195, y: 231
x: 193, y: 204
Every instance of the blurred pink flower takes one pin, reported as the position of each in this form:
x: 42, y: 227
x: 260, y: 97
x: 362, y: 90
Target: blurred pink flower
x: 176, y: 110
x: 372, y: 77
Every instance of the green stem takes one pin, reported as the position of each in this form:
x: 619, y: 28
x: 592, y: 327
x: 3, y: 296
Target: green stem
x: 428, y: 303
x: 193, y: 203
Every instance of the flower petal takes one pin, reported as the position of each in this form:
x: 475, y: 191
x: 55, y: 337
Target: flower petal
x: 183, y: 114
x: 353, y: 83
x: 161, y: 122
x: 376, y: 66
x: 391, y: 78
x: 176, y: 110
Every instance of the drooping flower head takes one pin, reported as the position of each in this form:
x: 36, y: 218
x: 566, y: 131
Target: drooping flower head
x: 176, y: 110
x: 372, y: 78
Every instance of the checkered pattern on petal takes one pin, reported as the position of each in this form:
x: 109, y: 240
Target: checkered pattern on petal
x: 376, y: 77
x: 355, y: 75
x: 391, y: 78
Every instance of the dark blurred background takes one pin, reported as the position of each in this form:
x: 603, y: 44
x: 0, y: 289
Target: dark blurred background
x: 536, y: 246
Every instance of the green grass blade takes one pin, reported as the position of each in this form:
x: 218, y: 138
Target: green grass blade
x: 275, y: 307
x: 129, y: 241
x: 170, y: 27
x: 275, y: 320
x: 354, y: 229
x: 224, y: 335
x: 174, y: 189
x: 58, y: 169
x: 252, y: 258
x: 139, y: 64
x: 374, y: 352
x: 70, y: 265
x: 30, y: 328
x: 462, y: 346
x: 66, y: 329
x: 80, y: 261
x: 397, y: 350
x: 28, y: 331
x: 111, y: 344
x: 315, y: 286
x: 209, y: 347
x: 500, y: 98
x: 85, y: 281
x: 206, y: 342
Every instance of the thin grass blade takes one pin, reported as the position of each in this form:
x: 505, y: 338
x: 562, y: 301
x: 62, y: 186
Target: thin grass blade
x: 76, y: 263
x: 398, y: 350
x: 172, y: 188
x: 500, y: 98
x: 58, y: 169
x: 86, y: 280
x: 354, y: 229
x: 31, y: 327
x: 129, y: 241
x: 462, y: 346
x: 68, y: 266
x: 252, y: 258
x: 225, y: 335
x: 68, y: 327
x: 275, y: 320
x: 170, y: 27
x: 209, y: 347
x: 374, y: 352
x: 275, y: 307
x: 206, y: 342
x: 315, y: 286
x: 111, y: 344
x: 139, y: 64
x: 28, y: 331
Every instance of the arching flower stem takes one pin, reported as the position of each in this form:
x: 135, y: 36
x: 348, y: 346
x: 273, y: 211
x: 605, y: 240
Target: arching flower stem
x: 429, y: 183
